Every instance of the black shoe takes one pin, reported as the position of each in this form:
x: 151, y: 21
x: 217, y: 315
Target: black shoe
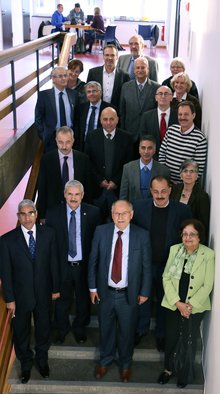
x: 25, y: 376
x: 160, y: 344
x: 58, y: 339
x: 80, y: 337
x: 164, y: 378
x: 44, y: 371
x: 138, y: 338
x: 181, y: 385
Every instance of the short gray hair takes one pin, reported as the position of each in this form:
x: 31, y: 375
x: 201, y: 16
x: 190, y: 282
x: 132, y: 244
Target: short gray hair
x: 65, y: 130
x: 26, y: 203
x: 94, y: 83
x: 126, y: 201
x: 189, y: 162
x: 74, y: 183
x: 59, y: 68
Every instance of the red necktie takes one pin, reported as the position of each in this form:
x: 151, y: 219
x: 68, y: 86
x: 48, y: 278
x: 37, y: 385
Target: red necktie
x: 117, y: 259
x: 163, y: 126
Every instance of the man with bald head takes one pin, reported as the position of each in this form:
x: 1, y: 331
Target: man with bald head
x: 156, y: 121
x: 126, y: 62
x: 108, y: 148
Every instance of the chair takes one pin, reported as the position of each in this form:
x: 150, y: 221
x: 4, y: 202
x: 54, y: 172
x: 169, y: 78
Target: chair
x: 108, y: 36
x: 149, y: 33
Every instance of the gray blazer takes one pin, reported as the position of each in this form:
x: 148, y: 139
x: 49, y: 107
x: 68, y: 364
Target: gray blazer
x: 124, y: 60
x: 130, y: 182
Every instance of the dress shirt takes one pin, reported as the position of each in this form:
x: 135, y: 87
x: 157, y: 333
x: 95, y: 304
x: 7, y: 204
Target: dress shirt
x: 96, y: 115
x: 78, y: 256
x: 166, y: 118
x: 142, y: 83
x: 106, y: 134
x: 26, y: 235
x: 149, y: 165
x: 66, y: 105
x: 188, y: 131
x: 125, y: 250
x: 108, y: 83
x: 182, y: 98
x: 69, y: 163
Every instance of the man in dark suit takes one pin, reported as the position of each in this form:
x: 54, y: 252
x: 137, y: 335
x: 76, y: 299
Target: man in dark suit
x: 162, y: 217
x: 88, y: 116
x: 126, y: 62
x: 55, y: 108
x: 136, y: 176
x: 108, y: 148
x: 137, y: 96
x: 30, y: 278
x: 119, y: 280
x: 157, y: 120
x: 110, y: 77
x: 73, y: 266
x: 59, y: 166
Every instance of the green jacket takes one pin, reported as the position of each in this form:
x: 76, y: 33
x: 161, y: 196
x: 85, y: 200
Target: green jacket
x: 200, y: 284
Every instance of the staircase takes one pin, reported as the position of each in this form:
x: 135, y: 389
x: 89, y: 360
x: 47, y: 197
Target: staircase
x: 72, y: 371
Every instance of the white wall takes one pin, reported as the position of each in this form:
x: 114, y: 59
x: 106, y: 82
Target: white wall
x: 199, y: 46
x: 17, y: 22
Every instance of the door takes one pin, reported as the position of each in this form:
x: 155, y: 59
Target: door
x: 6, y: 23
x: 26, y: 20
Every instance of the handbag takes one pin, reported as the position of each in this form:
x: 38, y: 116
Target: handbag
x: 182, y: 360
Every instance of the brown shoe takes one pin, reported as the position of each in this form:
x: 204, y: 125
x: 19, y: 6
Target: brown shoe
x: 125, y: 375
x: 100, y: 371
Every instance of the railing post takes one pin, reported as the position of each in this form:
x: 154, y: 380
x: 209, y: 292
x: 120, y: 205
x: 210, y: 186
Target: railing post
x: 37, y: 67
x: 13, y: 95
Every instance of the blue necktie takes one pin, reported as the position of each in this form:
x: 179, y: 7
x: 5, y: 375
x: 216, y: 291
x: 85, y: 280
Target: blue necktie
x: 32, y: 244
x: 62, y: 110
x: 131, y: 68
x: 65, y: 171
x: 72, y: 235
x: 91, y: 124
x: 145, y: 179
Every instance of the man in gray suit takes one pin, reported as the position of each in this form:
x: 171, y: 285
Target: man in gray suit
x: 126, y: 62
x: 137, y: 174
x: 157, y: 120
x: 119, y: 280
x: 137, y: 96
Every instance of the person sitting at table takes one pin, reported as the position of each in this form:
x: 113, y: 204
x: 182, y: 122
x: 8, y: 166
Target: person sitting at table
x: 58, y: 20
x: 75, y: 68
x: 76, y: 15
x: 98, y: 26
x: 188, y: 281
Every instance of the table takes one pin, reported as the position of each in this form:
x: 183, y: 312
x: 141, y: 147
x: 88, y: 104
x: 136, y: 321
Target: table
x: 83, y: 27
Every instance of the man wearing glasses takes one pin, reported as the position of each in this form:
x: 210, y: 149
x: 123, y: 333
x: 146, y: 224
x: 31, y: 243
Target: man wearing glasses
x: 30, y: 280
x: 55, y: 108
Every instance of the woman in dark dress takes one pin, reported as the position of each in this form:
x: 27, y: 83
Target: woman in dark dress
x: 98, y: 26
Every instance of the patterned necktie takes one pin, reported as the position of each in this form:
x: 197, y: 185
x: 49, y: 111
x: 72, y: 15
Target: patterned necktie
x: 72, y: 235
x: 65, y: 170
x: 117, y: 259
x: 32, y: 244
x: 140, y: 87
x: 91, y: 124
x: 163, y: 126
x: 62, y: 110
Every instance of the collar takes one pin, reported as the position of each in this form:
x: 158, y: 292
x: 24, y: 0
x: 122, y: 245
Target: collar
x: 182, y: 98
x: 141, y: 83
x: 97, y: 105
x: 160, y: 207
x: 112, y: 133
x: 125, y: 231
x: 69, y: 210
x: 105, y: 71
x: 57, y: 91
x: 149, y: 165
x: 61, y: 155
x: 25, y: 230
x: 167, y: 112
x: 187, y: 131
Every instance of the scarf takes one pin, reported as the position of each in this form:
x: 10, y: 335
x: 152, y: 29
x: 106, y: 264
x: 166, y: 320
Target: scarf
x: 175, y: 270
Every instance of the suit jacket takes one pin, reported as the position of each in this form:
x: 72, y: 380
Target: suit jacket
x: 123, y: 153
x: 81, y: 117
x: 130, y: 181
x: 200, y: 282
x: 96, y: 74
x: 46, y: 114
x: 124, y: 61
x: 24, y: 281
x: 131, y: 108
x: 139, y: 262
x: 50, y: 185
x: 150, y: 125
x: 177, y: 213
x: 57, y: 218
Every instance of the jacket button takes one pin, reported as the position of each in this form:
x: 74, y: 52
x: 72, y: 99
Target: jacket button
x: 192, y: 277
x: 191, y: 287
x: 189, y: 298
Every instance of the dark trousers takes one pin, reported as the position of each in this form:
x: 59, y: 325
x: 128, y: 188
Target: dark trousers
x: 116, y: 328
x: 22, y: 335
x: 104, y: 203
x: 76, y: 282
x: 145, y: 310
x: 173, y: 322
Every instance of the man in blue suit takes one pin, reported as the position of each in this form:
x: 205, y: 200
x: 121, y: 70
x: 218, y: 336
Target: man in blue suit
x: 122, y: 248
x: 162, y: 217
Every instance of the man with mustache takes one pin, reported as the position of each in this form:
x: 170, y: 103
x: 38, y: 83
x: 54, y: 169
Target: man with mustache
x: 162, y: 217
x: 74, y: 223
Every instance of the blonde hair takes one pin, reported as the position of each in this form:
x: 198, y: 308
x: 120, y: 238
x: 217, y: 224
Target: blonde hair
x: 97, y: 11
x: 186, y: 78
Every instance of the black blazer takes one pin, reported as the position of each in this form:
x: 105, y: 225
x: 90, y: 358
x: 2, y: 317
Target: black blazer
x: 57, y: 218
x: 94, y: 147
x: 96, y: 74
x: 150, y: 125
x: 50, y: 186
x: 24, y: 281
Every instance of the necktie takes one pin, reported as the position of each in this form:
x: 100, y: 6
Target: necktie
x: 32, y: 244
x: 131, y: 68
x: 163, y: 126
x: 145, y: 180
x: 108, y: 136
x: 72, y: 235
x: 117, y: 259
x: 91, y: 124
x: 140, y: 86
x: 65, y: 171
x: 62, y: 110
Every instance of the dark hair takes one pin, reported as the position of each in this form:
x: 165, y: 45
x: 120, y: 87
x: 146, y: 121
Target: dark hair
x: 187, y: 103
x: 198, y: 227
x: 160, y: 178
x: 148, y: 137
x: 74, y: 63
x: 110, y: 46
x: 77, y: 5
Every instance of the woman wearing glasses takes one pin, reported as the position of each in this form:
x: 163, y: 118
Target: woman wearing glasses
x: 190, y: 192
x: 188, y: 281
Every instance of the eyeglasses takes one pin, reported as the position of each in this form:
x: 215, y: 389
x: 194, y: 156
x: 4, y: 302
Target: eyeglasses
x: 190, y: 235
x: 189, y: 171
x: 163, y: 94
x: 179, y: 67
x: 92, y: 91
x: 61, y: 76
x: 26, y: 214
x: 122, y: 214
